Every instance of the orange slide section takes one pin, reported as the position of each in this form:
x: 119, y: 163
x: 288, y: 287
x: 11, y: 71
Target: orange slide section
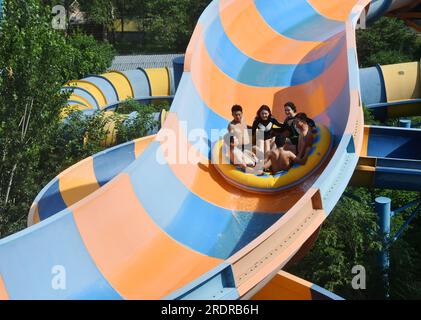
x: 132, y: 223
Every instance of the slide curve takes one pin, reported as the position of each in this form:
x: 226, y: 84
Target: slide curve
x: 162, y: 227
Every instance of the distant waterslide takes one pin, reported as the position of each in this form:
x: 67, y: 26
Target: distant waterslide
x: 140, y: 229
x: 391, y: 157
x: 107, y: 91
x: 392, y: 91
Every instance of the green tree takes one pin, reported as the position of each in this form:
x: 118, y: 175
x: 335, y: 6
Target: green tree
x: 31, y: 54
x: 135, y: 120
x: 35, y: 61
x: 387, y: 41
x: 100, y: 12
x: 169, y: 24
x: 87, y: 56
x: 348, y: 238
x: 165, y: 23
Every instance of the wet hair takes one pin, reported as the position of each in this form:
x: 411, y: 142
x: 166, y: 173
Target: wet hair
x: 302, y: 117
x: 263, y: 108
x: 236, y: 108
x: 280, y: 141
x: 291, y: 105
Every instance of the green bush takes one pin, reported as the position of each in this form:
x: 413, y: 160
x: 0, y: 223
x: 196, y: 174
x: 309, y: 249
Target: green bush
x: 347, y: 238
x: 88, y: 56
x: 35, y: 61
x: 387, y: 41
x: 141, y: 121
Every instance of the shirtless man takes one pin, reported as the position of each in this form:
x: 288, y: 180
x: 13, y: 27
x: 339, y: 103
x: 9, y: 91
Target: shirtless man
x: 279, y: 159
x: 238, y: 128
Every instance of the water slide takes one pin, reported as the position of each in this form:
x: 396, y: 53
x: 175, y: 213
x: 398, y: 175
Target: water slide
x: 131, y: 223
x: 390, y: 157
x: 106, y: 91
x: 392, y: 91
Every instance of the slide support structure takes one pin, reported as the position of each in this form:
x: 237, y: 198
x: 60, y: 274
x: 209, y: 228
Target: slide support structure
x: 383, y: 209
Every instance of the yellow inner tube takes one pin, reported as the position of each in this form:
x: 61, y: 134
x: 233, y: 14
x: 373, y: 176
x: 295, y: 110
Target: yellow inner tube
x: 274, y: 182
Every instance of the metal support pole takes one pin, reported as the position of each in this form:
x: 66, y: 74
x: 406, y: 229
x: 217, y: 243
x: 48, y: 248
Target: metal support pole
x: 383, y: 209
x: 404, y: 123
x: 406, y: 224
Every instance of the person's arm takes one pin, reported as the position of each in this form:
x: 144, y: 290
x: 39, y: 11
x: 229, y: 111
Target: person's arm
x: 308, y: 143
x: 230, y: 128
x: 268, y: 161
x: 254, y: 127
x: 309, y: 140
x: 253, y: 131
x: 300, y: 149
x: 277, y: 123
x: 291, y: 156
x: 303, y: 159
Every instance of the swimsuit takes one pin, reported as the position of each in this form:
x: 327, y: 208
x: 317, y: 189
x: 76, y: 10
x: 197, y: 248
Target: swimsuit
x: 265, y: 126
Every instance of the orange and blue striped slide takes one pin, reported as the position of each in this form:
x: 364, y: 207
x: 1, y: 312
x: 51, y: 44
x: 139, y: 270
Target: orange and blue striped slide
x: 153, y: 228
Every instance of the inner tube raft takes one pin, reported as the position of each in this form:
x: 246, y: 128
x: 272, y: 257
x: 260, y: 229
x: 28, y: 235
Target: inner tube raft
x: 266, y: 182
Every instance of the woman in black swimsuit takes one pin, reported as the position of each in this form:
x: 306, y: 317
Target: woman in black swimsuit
x: 291, y: 112
x: 264, y: 122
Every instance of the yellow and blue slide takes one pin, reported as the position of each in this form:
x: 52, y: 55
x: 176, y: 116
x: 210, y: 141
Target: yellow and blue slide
x: 107, y: 91
x: 392, y: 91
x: 131, y: 223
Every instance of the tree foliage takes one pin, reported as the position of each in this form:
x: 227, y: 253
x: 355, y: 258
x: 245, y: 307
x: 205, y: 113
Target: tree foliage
x: 35, y: 61
x: 164, y: 25
x: 134, y: 120
x: 348, y: 238
x: 31, y: 60
x: 387, y: 41
x: 87, y: 56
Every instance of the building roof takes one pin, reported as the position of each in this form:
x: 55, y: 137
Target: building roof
x: 123, y: 63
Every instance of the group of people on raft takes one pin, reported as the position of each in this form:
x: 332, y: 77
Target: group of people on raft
x: 278, y: 146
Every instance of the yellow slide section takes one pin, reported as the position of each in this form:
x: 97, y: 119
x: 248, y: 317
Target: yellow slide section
x: 121, y: 84
x: 160, y: 81
x: 402, y: 81
x: 92, y: 89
